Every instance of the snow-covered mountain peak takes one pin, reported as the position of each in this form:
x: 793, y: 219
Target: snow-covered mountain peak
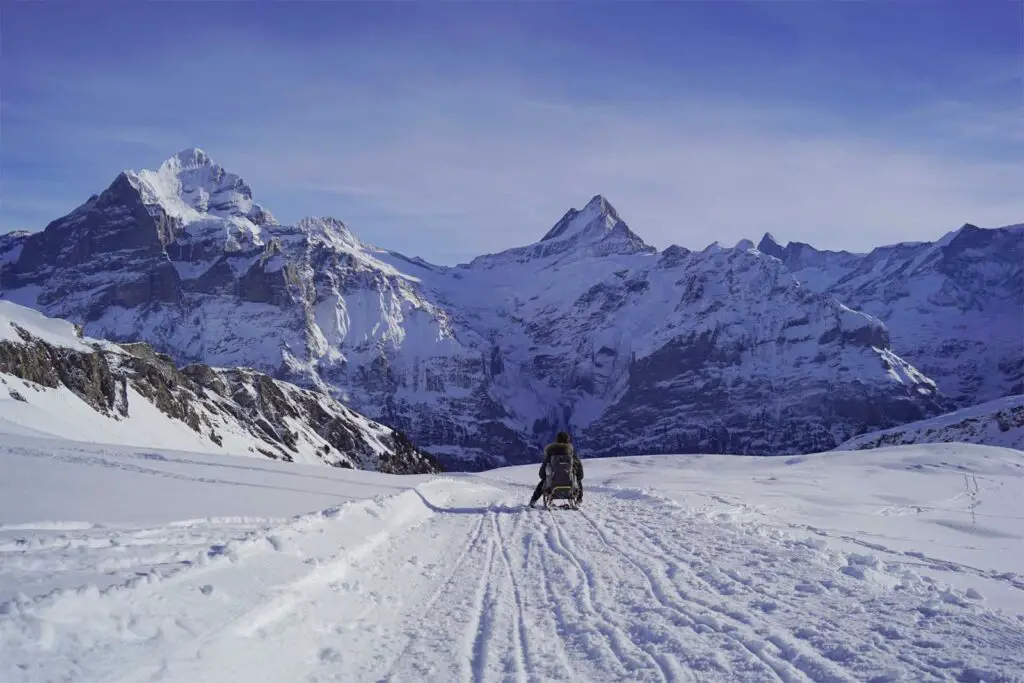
x: 769, y: 245
x: 192, y: 187
x: 596, y: 230
x: 597, y: 215
x: 331, y: 231
x: 744, y: 245
x: 191, y: 157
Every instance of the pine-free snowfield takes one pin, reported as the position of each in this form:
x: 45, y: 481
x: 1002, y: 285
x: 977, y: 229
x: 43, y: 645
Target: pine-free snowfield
x: 122, y: 565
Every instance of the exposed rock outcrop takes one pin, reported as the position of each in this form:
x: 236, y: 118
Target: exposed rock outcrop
x: 276, y: 419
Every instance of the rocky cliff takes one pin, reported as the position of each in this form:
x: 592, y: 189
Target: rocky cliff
x: 993, y: 423
x: 229, y: 411
x: 954, y: 307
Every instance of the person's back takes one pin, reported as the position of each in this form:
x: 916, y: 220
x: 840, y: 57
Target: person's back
x: 560, y: 465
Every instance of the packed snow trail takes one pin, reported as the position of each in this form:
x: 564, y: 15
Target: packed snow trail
x: 456, y: 581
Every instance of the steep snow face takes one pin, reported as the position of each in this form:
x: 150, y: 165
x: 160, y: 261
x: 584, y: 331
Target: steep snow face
x: 995, y: 423
x: 589, y: 328
x: 191, y: 187
x: 57, y: 383
x: 954, y: 307
x: 741, y: 359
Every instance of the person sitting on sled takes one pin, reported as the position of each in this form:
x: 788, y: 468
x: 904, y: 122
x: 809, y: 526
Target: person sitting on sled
x: 561, y: 447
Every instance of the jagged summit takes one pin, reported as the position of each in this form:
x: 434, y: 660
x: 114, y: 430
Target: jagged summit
x: 189, y: 158
x: 596, y: 229
x: 597, y: 209
x: 191, y: 186
x: 769, y: 245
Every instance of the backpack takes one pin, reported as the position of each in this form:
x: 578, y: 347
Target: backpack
x: 560, y: 470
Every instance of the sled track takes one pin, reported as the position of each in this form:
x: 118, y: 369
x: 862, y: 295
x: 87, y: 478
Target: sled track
x: 791, y: 597
x: 458, y: 582
x: 699, y: 613
x: 473, y: 541
x: 690, y: 617
x: 618, y: 638
x: 523, y: 663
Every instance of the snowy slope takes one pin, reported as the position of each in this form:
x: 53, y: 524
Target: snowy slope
x: 55, y: 382
x: 890, y: 565
x: 996, y: 423
x: 954, y: 307
x: 718, y: 350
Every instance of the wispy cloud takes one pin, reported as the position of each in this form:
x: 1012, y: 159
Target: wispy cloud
x: 451, y: 162
x: 688, y: 175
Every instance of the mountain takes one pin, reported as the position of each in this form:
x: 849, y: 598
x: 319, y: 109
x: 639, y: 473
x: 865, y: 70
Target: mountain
x: 994, y: 423
x: 634, y: 349
x: 718, y: 350
x: 817, y: 269
x: 54, y: 381
x: 954, y: 307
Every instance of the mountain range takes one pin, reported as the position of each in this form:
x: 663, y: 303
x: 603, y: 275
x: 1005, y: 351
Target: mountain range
x: 744, y: 349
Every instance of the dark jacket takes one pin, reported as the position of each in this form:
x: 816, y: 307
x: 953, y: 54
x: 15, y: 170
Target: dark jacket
x: 577, y: 464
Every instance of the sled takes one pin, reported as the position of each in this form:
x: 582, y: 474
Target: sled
x: 567, y: 493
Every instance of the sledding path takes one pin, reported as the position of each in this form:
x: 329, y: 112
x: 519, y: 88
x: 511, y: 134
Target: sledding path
x: 456, y: 581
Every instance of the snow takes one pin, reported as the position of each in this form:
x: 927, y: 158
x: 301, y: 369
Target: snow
x: 890, y: 565
x: 58, y: 412
x: 50, y: 330
x: 598, y: 217
x: 209, y: 201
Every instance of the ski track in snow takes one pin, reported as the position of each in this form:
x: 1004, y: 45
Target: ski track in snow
x: 456, y: 581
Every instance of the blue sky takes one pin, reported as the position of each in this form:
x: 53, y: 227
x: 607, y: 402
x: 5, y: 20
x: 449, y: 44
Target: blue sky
x: 450, y: 130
